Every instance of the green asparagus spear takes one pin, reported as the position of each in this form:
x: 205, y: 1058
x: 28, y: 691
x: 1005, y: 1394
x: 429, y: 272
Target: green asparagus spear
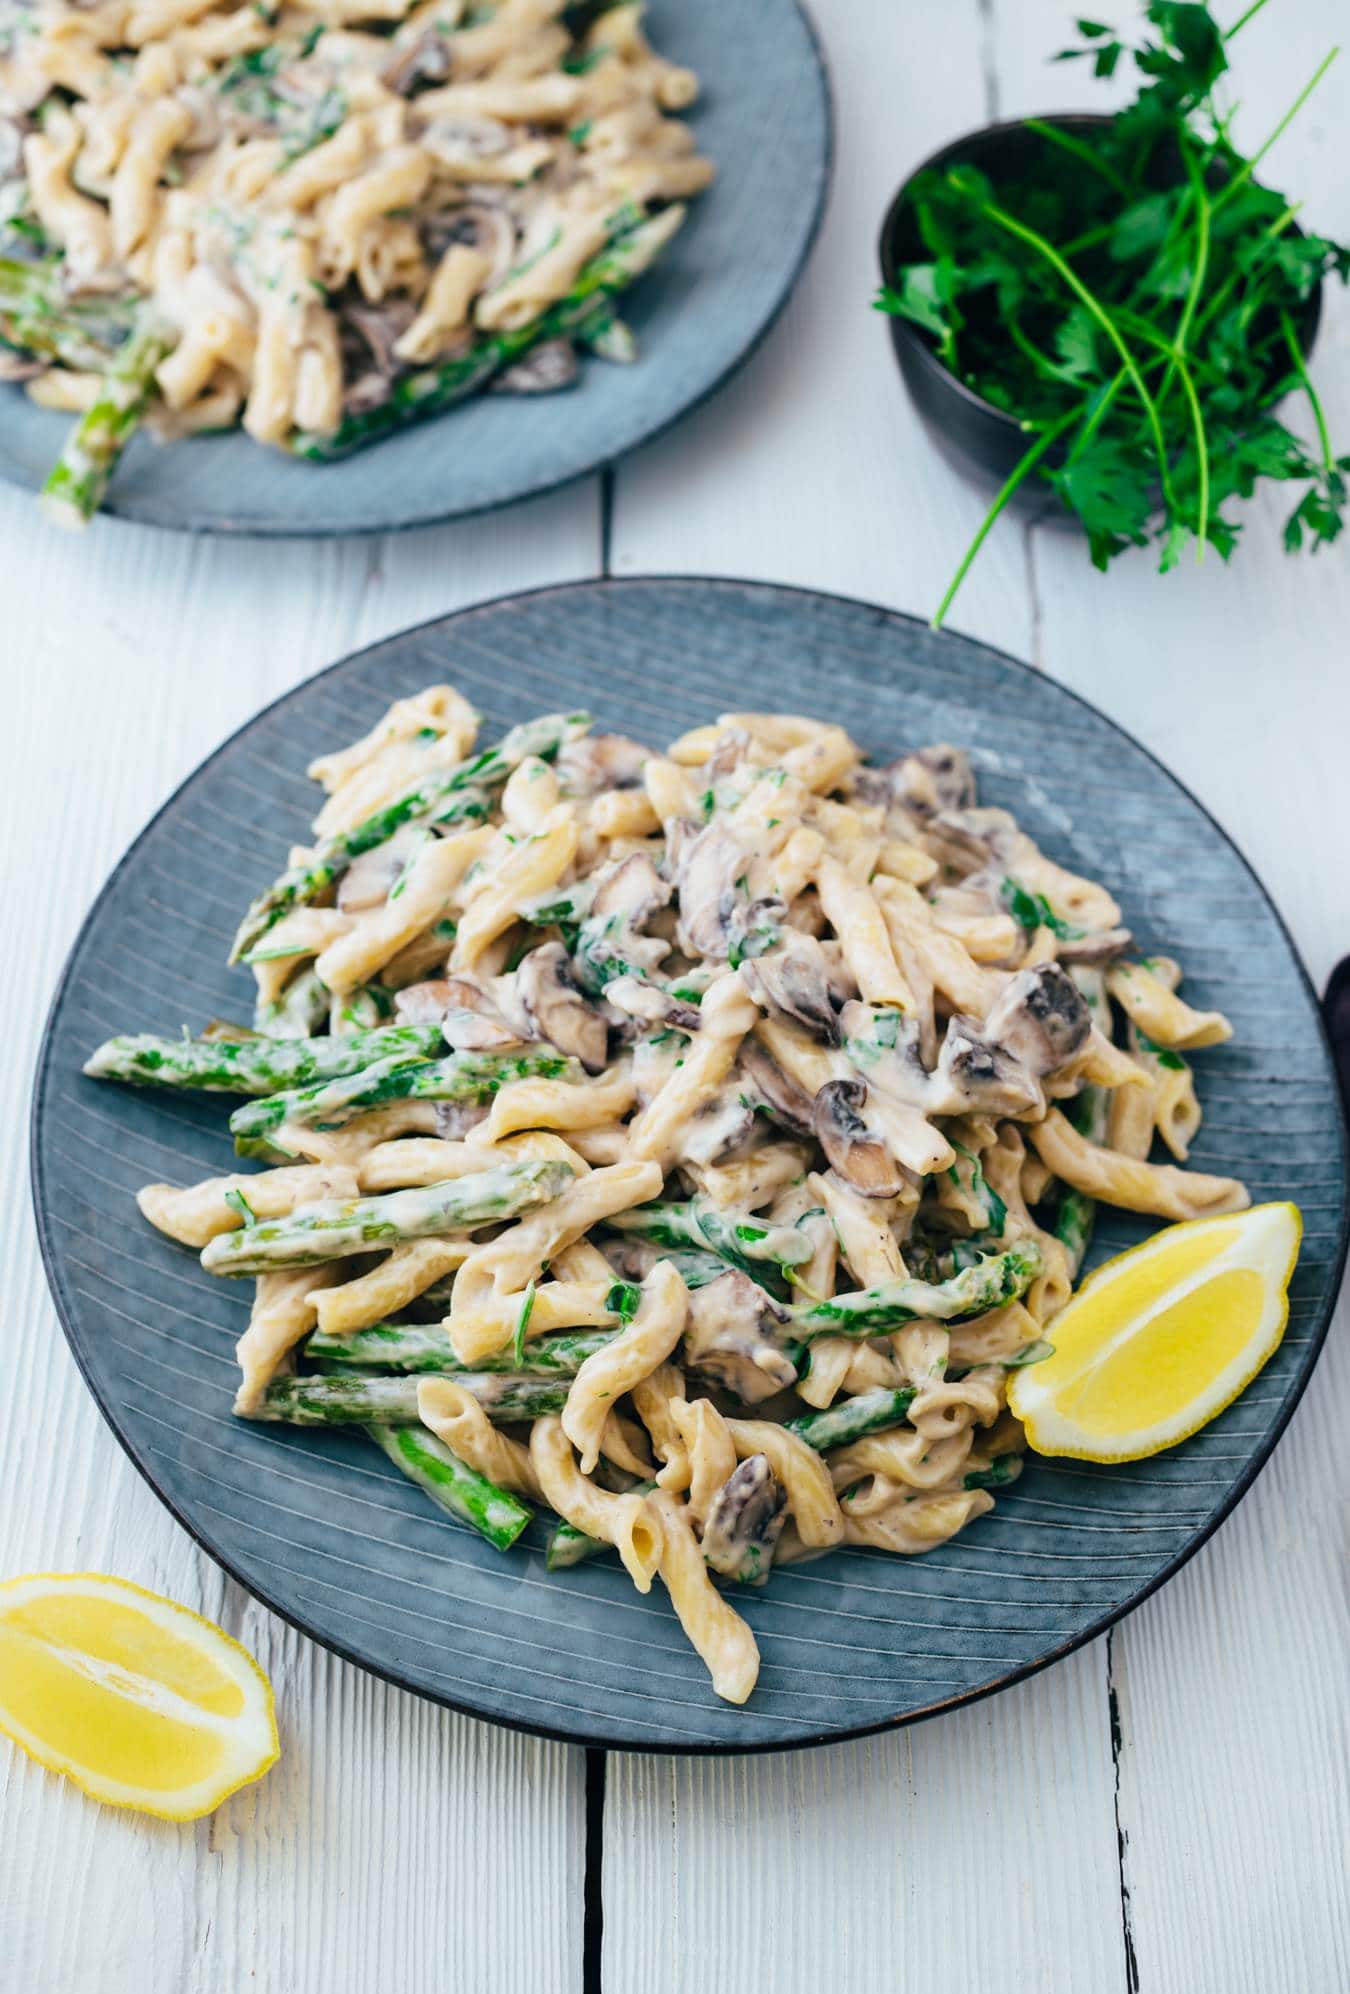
x: 568, y: 1546
x: 338, y: 1227
x: 1089, y: 1112
x: 424, y: 1346
x: 256, y: 1065
x: 738, y: 1238
x: 494, y: 1512
x: 841, y: 1424
x: 362, y: 1401
x: 433, y: 389
x: 75, y: 487
x: 873, y: 1311
x: 38, y: 318
x: 460, y: 1076
x: 1003, y: 1469
x: 467, y: 789
x: 299, y: 1011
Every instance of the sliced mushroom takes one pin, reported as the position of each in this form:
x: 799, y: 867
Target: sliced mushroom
x: 936, y: 778
x: 967, y: 840
x: 924, y: 782
x: 454, y: 1119
x: 737, y: 1335
x: 720, y: 1128
x: 1098, y: 948
x: 634, y: 889
x: 977, y: 1074
x: 1041, y: 1017
x: 745, y: 1522
x: 794, y: 978
x: 759, y: 1076
x: 649, y: 1004
x: 597, y: 762
x: 710, y: 863
x: 859, y: 1156
x: 425, y: 59
x: 546, y: 368
x: 483, y: 224
x: 729, y: 751
x: 369, y: 880
x: 380, y: 327
x: 468, y: 1019
x: 18, y: 366
x: 557, y: 1009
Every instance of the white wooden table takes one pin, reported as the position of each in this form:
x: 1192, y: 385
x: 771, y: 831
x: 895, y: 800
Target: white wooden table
x: 1168, y: 1809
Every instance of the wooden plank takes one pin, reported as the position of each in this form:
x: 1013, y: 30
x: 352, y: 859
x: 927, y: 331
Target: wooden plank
x: 926, y: 1848
x: 130, y: 653
x: 907, y: 1862
x: 1230, y: 1684
x: 812, y: 467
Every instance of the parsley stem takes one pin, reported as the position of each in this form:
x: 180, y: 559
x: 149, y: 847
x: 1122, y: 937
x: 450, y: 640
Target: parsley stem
x: 1044, y: 129
x: 1201, y: 456
x: 1108, y: 325
x: 1242, y: 20
x: 1023, y: 469
x: 1249, y: 166
x: 1314, y: 401
x: 1095, y: 420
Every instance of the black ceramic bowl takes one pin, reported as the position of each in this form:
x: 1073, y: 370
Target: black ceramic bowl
x: 981, y: 440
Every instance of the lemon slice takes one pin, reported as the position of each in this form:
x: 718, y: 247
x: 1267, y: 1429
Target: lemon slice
x: 1161, y: 1339
x: 140, y: 1702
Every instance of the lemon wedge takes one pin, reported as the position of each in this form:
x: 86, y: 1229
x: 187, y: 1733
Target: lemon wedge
x: 1161, y: 1339
x: 140, y: 1702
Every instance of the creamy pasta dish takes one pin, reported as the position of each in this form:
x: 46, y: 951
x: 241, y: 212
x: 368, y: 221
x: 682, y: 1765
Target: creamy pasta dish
x: 683, y: 1148
x: 321, y: 218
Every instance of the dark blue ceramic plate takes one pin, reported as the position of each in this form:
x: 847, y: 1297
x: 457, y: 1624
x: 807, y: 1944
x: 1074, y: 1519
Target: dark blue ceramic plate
x: 764, y: 119
x: 323, y: 1529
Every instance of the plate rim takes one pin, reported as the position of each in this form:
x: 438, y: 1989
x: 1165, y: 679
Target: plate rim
x: 598, y: 1740
x: 203, y: 526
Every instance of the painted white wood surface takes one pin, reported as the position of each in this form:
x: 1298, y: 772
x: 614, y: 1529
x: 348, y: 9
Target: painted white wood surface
x: 126, y: 656
x: 399, y: 1845
x: 856, y: 1868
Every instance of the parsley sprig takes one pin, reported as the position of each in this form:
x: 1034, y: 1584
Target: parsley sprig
x: 1135, y: 297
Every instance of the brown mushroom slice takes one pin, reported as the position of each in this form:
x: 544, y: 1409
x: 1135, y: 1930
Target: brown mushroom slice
x: 1102, y: 947
x: 370, y: 879
x: 933, y: 779
x: 425, y: 59
x: 598, y: 762
x: 649, y: 1004
x: 468, y: 1019
x: 922, y: 782
x: 975, y: 1074
x: 710, y: 863
x: 633, y: 888
x: 762, y: 1079
x: 557, y: 1010
x: 854, y: 1151
x: 794, y: 979
x: 1041, y: 1017
x: 745, y: 1522
x: 736, y: 1335
x: 545, y: 369
x: 966, y: 841
x: 721, y: 1127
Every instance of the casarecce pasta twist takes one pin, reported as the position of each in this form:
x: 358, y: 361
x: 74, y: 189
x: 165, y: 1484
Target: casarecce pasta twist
x: 690, y: 1145
x: 322, y: 218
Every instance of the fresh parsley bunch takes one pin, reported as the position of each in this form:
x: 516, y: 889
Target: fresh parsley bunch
x: 1134, y: 296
